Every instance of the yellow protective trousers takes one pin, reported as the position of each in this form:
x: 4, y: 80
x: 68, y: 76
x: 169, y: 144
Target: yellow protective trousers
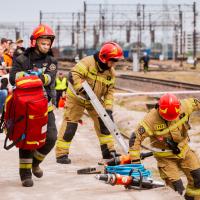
x: 169, y: 169
x: 73, y: 113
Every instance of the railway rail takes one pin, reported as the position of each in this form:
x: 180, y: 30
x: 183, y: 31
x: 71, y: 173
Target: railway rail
x: 170, y: 83
x: 176, y: 84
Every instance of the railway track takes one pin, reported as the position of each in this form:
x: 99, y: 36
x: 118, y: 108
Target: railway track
x: 170, y: 83
x: 176, y: 84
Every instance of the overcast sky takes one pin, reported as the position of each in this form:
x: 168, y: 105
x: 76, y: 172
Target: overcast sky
x: 28, y: 10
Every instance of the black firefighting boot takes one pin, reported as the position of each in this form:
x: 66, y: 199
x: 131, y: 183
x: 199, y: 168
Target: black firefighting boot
x: 63, y: 159
x: 26, y: 177
x: 108, y: 154
x: 36, y: 170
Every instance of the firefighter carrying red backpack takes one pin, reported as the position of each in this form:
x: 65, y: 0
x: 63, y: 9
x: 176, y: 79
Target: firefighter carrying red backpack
x: 26, y: 114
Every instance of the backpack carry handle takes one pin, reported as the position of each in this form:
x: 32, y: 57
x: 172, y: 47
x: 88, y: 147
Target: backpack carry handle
x: 7, y: 147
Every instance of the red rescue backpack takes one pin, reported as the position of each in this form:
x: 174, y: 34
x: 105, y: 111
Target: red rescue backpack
x: 26, y: 114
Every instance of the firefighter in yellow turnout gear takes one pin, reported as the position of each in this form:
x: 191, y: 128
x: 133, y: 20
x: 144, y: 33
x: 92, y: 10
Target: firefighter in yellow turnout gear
x: 167, y: 127
x: 98, y: 71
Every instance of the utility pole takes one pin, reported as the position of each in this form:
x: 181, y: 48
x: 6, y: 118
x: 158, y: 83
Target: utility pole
x: 139, y: 30
x: 143, y: 18
x: 103, y: 26
x: 77, y: 31
x: 40, y: 17
x: 194, y: 36
x: 96, y: 37
x: 181, y: 35
x: 17, y: 33
x: 152, y: 32
x: 84, y: 26
x: 128, y: 32
x: 73, y: 31
x: 165, y: 34
x: 100, y: 18
x: 58, y: 37
x: 176, y: 42
x: 184, y: 42
x: 102, y: 21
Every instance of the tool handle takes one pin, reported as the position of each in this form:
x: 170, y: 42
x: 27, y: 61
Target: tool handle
x: 145, y: 155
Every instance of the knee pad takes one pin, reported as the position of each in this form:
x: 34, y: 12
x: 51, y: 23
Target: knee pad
x: 196, y: 177
x: 132, y: 139
x: 103, y: 128
x: 188, y: 197
x: 178, y: 186
x: 70, y: 131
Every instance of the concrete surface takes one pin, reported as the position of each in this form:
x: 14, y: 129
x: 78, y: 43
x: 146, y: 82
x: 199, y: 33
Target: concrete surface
x: 60, y: 182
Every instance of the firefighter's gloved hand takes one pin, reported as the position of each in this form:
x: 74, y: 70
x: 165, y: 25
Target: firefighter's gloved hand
x: 173, y: 146
x: 110, y: 113
x: 83, y: 93
x: 36, y: 73
x: 113, y: 161
x: 114, y: 154
x: 176, y: 150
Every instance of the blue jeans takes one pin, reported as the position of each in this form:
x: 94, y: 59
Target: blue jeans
x: 3, y: 95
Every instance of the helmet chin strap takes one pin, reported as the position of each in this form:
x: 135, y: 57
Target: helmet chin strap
x: 102, y: 65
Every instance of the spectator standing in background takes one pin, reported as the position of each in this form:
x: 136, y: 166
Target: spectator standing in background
x: 4, y: 43
x: 145, y: 60
x: 60, y: 87
x: 20, y: 49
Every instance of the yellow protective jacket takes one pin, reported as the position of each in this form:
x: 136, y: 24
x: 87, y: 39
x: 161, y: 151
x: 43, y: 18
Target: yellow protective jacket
x: 101, y: 82
x: 158, y: 129
x: 61, y: 84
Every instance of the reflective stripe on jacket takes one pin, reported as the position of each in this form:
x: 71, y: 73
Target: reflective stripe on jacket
x: 101, y: 82
x: 158, y: 130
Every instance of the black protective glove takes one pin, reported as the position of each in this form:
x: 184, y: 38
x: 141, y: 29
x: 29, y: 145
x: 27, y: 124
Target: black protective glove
x: 83, y: 93
x: 114, y: 154
x: 173, y: 146
x: 110, y: 113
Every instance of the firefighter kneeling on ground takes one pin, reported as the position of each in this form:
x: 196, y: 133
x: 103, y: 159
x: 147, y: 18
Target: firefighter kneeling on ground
x: 167, y: 126
x: 98, y: 71
x: 37, y: 57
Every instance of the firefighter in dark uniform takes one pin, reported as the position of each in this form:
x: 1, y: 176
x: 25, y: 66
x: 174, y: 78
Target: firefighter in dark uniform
x: 38, y: 58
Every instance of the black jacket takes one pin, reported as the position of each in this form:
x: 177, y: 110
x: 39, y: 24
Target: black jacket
x: 18, y: 52
x: 29, y: 60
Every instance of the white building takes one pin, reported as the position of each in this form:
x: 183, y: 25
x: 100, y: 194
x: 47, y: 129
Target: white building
x: 189, y: 43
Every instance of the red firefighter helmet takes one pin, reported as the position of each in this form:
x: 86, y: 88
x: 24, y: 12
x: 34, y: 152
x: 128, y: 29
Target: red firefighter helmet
x: 110, y: 50
x: 169, y: 107
x: 42, y: 31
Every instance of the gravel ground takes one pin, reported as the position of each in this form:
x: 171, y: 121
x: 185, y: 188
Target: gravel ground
x: 61, y: 181
x: 182, y: 76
